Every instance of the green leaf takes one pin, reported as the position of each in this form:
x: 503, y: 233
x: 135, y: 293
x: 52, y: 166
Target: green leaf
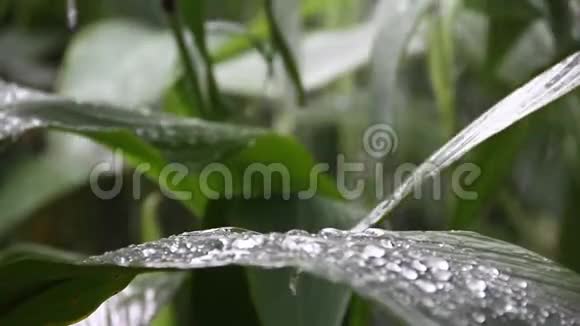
x: 442, y: 62
x: 316, y: 301
x: 508, y: 20
x: 561, y: 19
x: 139, y: 303
x: 46, y: 288
x: 222, y: 289
x: 120, y: 62
x: 144, y: 138
x: 536, y: 94
x: 157, y: 140
x: 64, y: 164
x: 359, y: 313
x: 194, y: 13
x: 423, y: 278
x: 327, y: 56
x: 495, y: 158
x: 518, y: 66
x: 194, y: 92
x: 258, y: 30
x: 398, y: 26
x: 218, y: 289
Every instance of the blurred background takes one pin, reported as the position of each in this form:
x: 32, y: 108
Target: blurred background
x: 426, y: 68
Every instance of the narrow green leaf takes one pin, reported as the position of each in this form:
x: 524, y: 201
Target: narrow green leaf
x: 187, y: 59
x: 359, y: 313
x: 398, y: 26
x: 508, y: 20
x: 561, y: 19
x: 442, y: 62
x: 539, y: 92
x: 194, y: 13
x: 288, y: 58
x: 328, y: 55
x: 150, y: 224
x: 258, y: 30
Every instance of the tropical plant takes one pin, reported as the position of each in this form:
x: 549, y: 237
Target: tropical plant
x: 202, y: 146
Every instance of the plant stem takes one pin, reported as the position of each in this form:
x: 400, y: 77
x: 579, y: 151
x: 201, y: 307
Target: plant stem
x: 191, y: 75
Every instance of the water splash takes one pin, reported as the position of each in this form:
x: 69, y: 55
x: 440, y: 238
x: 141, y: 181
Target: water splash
x: 542, y: 90
x: 455, y: 278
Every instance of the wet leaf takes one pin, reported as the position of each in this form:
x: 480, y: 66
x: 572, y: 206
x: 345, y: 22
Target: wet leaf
x: 423, y: 278
x: 144, y: 137
x: 536, y: 94
x: 157, y: 140
x: 314, y: 301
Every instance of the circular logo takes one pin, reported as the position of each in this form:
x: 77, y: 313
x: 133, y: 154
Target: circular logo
x: 380, y: 140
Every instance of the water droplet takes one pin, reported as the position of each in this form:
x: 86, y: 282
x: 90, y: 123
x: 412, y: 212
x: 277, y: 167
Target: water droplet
x: 393, y: 267
x: 294, y: 280
x: 466, y: 268
x: 147, y: 252
x: 174, y: 247
x: 388, y: 244
x: 521, y: 283
x: 418, y: 266
x: 426, y: 286
x: 330, y: 232
x: 372, y: 251
x: 247, y: 243
x: 437, y: 264
x: 375, y: 232
x: 311, y: 248
x: 409, y: 274
x: 441, y: 275
x: 478, y: 317
x: 476, y: 285
x: 492, y: 271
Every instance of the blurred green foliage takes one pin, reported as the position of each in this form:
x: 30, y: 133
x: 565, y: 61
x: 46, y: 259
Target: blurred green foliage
x: 446, y: 64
